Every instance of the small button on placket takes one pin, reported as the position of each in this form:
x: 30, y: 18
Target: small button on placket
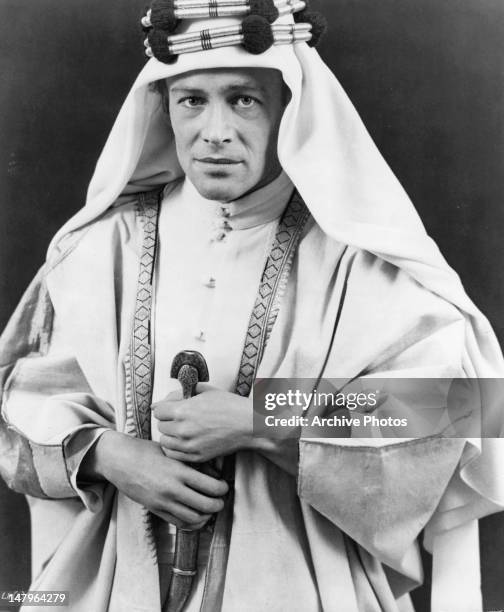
x: 209, y: 281
x: 219, y: 236
x: 221, y: 226
x: 200, y: 335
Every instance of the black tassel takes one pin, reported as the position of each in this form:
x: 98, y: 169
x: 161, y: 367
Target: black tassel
x: 159, y: 46
x: 264, y: 8
x: 257, y: 34
x: 163, y: 15
x: 318, y: 23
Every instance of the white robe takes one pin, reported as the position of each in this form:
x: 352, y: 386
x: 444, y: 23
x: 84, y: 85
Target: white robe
x: 313, y: 527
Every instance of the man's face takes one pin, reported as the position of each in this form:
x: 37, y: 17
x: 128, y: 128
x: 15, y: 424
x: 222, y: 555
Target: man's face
x: 226, y: 124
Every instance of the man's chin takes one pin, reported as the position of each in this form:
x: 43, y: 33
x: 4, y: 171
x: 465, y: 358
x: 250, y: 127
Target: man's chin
x: 221, y: 189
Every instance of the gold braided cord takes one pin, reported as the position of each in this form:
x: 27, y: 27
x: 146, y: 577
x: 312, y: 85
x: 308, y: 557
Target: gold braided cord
x: 210, y: 43
x: 210, y: 11
x: 206, y: 43
x: 234, y: 30
x: 205, y: 3
x: 204, y: 9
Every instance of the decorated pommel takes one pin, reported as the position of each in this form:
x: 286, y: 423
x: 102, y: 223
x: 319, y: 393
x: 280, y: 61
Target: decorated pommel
x: 190, y: 368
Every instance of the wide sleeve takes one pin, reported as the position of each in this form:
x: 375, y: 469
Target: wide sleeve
x: 384, y: 492
x: 50, y: 417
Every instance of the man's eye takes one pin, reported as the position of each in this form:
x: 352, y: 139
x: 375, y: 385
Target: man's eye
x: 191, y: 101
x: 245, y: 101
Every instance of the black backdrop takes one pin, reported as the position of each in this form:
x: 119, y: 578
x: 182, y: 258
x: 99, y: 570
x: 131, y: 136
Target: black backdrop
x: 426, y: 76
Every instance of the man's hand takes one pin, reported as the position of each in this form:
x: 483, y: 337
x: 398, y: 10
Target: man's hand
x: 211, y: 424
x: 170, y: 489
x: 215, y: 423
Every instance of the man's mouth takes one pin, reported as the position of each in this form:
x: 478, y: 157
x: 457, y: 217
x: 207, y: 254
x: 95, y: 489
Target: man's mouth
x: 218, y: 161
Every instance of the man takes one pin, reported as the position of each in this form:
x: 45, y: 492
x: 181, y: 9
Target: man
x: 250, y: 217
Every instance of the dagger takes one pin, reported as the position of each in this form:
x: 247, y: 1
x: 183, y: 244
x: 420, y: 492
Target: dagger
x: 189, y: 367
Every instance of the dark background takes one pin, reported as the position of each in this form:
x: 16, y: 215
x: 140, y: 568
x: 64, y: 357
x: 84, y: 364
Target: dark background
x: 427, y: 77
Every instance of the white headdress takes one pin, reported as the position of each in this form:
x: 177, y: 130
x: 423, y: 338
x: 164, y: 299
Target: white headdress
x: 324, y: 148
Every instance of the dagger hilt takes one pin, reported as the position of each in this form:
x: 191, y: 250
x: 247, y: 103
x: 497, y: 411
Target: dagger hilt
x: 190, y: 368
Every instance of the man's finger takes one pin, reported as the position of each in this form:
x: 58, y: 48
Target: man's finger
x: 174, y: 396
x: 198, y: 503
x: 173, y: 443
x: 169, y: 427
x: 164, y: 411
x: 202, y: 387
x: 170, y: 518
x: 181, y: 456
x: 205, y: 484
x: 184, y: 513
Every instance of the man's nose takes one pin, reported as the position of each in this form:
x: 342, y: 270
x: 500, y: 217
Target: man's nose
x: 218, y: 127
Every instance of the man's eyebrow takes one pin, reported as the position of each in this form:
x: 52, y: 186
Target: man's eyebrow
x: 188, y: 89
x: 231, y: 88
x: 241, y: 86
